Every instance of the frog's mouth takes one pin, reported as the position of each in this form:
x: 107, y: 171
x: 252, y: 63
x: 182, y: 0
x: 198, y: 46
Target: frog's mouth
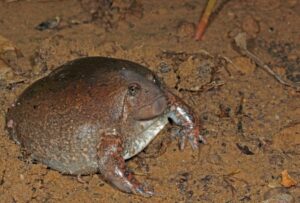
x: 154, y: 108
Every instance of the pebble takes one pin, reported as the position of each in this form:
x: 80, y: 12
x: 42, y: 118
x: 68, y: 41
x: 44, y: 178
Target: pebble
x: 164, y: 68
x: 48, y: 24
x: 280, y: 198
x: 243, y: 65
x: 278, y: 195
x: 185, y: 29
x: 250, y: 26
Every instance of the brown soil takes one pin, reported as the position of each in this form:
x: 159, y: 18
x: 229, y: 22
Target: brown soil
x: 252, y: 122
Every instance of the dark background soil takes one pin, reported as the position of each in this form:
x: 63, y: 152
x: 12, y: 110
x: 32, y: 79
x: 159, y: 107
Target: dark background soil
x: 252, y: 122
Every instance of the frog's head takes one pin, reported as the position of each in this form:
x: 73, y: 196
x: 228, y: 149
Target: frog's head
x: 145, y: 98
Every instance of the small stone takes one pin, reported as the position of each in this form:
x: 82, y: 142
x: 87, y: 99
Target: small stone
x: 164, y: 68
x: 48, y: 24
x: 185, y: 29
x: 243, y: 65
x: 280, y: 198
x: 278, y: 195
x: 250, y: 26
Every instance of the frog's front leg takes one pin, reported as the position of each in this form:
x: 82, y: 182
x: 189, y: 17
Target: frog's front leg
x: 183, y: 116
x: 113, y: 168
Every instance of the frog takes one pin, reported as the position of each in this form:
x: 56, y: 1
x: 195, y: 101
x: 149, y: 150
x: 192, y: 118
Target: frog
x: 92, y: 114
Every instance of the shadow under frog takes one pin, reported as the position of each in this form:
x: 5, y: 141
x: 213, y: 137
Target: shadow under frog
x: 91, y: 114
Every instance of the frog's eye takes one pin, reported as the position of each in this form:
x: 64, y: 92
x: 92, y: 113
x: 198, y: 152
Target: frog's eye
x: 133, y: 89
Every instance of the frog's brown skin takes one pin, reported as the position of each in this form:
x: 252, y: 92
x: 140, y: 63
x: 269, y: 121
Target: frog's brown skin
x: 91, y: 114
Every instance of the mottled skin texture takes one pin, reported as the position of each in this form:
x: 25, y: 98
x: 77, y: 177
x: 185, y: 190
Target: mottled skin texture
x: 91, y: 114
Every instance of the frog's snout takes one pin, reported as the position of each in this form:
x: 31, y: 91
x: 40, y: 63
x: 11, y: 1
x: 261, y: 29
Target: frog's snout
x: 159, y: 105
x: 153, y: 109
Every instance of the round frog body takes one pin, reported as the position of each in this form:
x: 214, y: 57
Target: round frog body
x: 91, y: 114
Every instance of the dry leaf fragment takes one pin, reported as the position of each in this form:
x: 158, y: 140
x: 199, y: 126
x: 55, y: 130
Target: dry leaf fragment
x: 287, y: 180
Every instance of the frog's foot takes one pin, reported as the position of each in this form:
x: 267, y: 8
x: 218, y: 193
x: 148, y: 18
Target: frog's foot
x: 187, y: 121
x: 192, y: 135
x: 113, y: 168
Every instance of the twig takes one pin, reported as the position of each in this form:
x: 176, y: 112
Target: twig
x: 228, y: 61
x: 204, y: 19
x: 232, y: 188
x: 260, y: 63
x: 204, y: 88
x: 218, y: 9
x: 209, y: 16
x: 240, y: 41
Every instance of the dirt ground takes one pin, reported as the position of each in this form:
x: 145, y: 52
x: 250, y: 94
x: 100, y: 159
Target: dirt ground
x: 251, y: 121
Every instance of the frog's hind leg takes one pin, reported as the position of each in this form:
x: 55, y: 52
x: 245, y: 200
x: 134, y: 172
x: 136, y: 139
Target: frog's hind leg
x: 113, y: 168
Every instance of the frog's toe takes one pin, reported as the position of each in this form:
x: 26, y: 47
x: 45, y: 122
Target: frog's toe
x: 202, y: 139
x: 144, y: 190
x: 194, y: 142
x: 192, y: 137
x: 195, y: 139
x: 182, y: 142
x: 175, y: 132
